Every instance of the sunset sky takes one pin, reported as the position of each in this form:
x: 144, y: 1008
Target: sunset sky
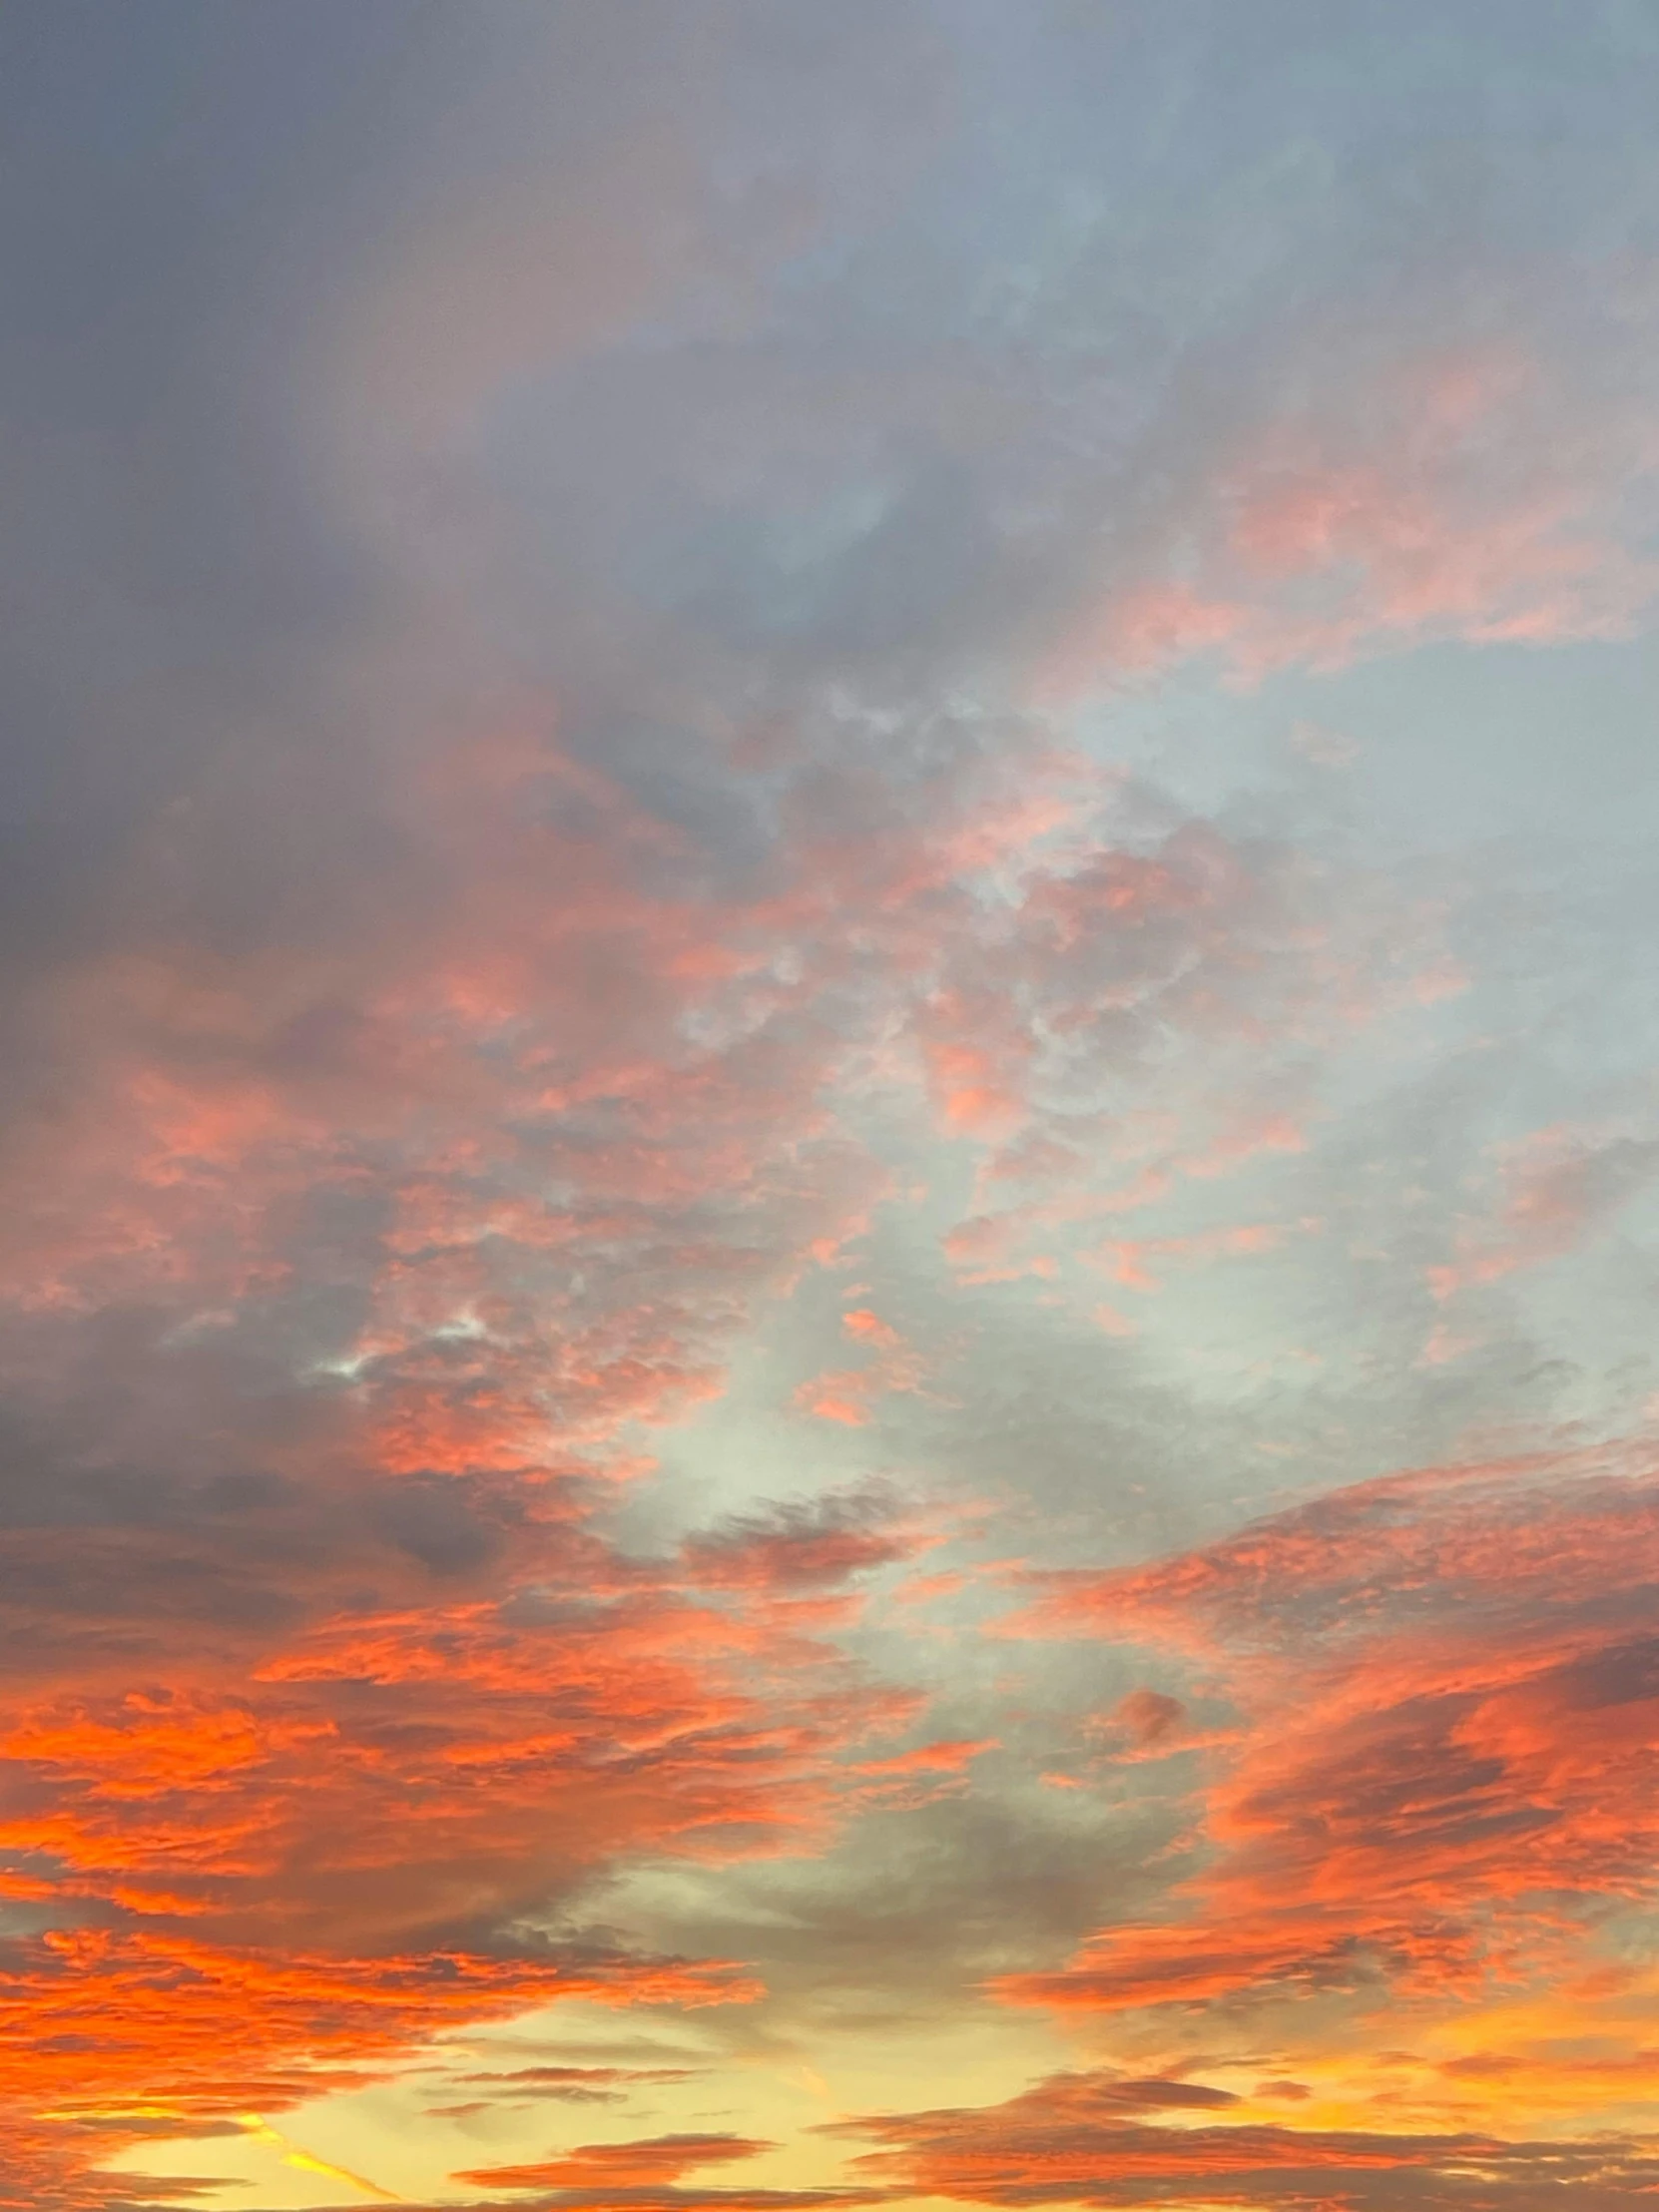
x: 830, y: 1105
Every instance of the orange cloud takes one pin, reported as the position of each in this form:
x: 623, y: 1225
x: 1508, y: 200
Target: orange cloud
x: 1449, y: 1696
x: 1091, y: 2138
x: 654, y: 2159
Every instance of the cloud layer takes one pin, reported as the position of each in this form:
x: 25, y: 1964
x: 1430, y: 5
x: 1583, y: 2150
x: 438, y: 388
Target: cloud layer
x: 827, y: 1111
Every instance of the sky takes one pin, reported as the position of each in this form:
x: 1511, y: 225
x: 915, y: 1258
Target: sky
x: 828, y: 1105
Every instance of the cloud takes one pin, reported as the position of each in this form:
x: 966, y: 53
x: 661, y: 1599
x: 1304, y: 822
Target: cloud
x: 1448, y: 1693
x: 657, y: 2158
x: 1082, y: 2139
x: 551, y: 557
x: 645, y: 2175
x: 847, y: 1394
x: 1148, y: 1720
x: 1419, y: 512
x: 806, y: 1544
x: 569, y: 2085
x: 1558, y: 1187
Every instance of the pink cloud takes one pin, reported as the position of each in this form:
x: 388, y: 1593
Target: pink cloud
x: 1476, y: 496
x: 1557, y: 1188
